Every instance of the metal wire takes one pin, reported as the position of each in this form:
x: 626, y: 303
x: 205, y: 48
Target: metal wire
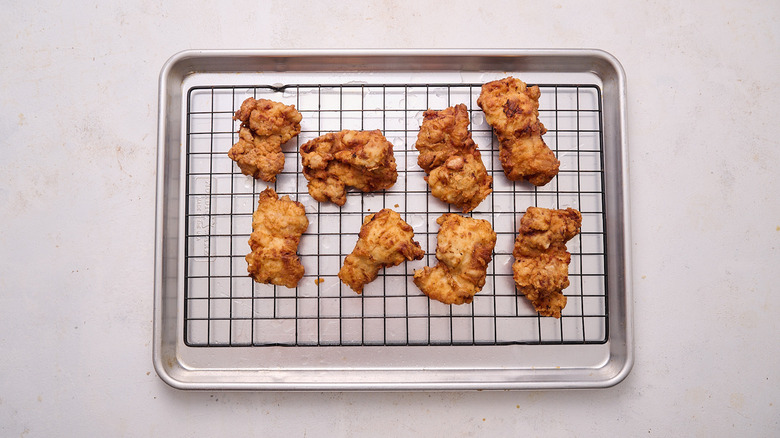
x: 223, y: 306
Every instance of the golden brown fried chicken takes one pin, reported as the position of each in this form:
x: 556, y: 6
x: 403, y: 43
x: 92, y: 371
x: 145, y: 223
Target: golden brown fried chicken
x: 265, y: 126
x: 385, y: 240
x: 461, y: 181
x: 464, y: 249
x: 541, y: 268
x: 277, y: 225
x: 443, y: 134
x: 512, y: 109
x: 361, y: 159
x: 451, y: 159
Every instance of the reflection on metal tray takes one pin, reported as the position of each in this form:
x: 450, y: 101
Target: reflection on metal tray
x: 391, y: 336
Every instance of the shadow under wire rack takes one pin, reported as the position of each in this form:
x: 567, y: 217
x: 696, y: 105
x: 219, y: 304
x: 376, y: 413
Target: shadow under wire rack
x: 223, y: 306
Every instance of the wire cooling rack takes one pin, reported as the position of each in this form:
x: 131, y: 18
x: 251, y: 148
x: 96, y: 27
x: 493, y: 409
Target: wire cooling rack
x: 223, y: 306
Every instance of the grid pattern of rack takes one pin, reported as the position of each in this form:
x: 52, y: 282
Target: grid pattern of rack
x: 224, y: 307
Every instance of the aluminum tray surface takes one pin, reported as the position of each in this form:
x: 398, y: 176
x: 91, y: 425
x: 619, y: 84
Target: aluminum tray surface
x: 217, y: 329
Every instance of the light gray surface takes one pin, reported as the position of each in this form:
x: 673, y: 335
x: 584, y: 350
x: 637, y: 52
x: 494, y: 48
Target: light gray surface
x: 78, y: 123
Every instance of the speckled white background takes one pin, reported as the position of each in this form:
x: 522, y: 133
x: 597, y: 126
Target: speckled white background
x: 78, y: 96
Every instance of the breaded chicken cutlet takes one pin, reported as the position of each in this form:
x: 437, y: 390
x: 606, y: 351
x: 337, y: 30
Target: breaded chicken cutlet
x: 265, y: 126
x: 512, y: 109
x: 360, y: 159
x: 464, y: 250
x: 385, y: 240
x: 277, y: 225
x: 541, y: 268
x: 451, y: 159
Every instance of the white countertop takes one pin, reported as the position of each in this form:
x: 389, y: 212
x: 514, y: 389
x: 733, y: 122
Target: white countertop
x: 78, y: 95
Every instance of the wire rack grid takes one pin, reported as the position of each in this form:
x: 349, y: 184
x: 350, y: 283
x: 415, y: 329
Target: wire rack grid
x: 223, y: 306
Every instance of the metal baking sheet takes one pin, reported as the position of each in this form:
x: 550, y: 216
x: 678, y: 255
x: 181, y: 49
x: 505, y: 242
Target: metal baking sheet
x: 214, y: 328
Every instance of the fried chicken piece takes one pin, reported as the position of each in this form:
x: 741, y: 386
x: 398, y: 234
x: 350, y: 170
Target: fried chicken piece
x: 512, y: 109
x: 461, y: 181
x: 277, y: 225
x: 385, y: 240
x: 443, y: 134
x: 541, y: 268
x: 451, y: 159
x: 265, y: 126
x: 464, y: 250
x: 361, y: 159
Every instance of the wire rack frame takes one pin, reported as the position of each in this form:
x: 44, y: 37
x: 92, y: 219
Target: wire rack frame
x: 223, y: 307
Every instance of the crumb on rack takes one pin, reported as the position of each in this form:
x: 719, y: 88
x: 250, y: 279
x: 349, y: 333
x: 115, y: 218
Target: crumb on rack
x: 319, y: 280
x: 396, y: 205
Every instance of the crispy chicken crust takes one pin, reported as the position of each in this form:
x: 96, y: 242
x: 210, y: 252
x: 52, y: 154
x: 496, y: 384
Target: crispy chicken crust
x: 265, y: 126
x: 512, y: 109
x: 464, y: 250
x: 385, y: 240
x: 361, y: 159
x: 277, y: 225
x: 451, y: 159
x: 541, y: 268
